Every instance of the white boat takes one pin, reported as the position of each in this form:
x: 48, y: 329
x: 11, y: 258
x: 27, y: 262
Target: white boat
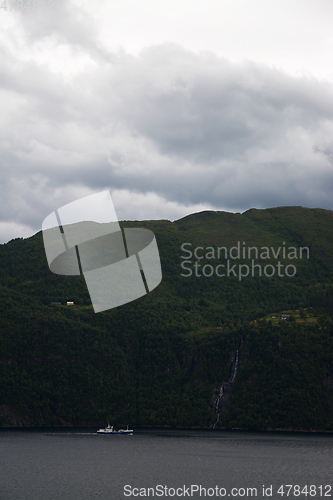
x: 110, y: 430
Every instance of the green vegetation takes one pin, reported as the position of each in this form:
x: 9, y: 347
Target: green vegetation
x: 160, y: 359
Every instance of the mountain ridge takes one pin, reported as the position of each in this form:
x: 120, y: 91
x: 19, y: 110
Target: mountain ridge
x: 163, y: 359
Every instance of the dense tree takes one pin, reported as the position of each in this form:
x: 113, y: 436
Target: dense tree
x: 159, y: 360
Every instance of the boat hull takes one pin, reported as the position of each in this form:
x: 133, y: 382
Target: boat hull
x: 115, y: 433
x: 112, y: 432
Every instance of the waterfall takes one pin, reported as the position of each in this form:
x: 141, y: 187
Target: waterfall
x: 217, y: 405
x: 226, y: 387
x: 235, y: 368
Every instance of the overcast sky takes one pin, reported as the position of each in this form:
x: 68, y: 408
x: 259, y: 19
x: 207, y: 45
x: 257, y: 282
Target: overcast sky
x: 176, y: 106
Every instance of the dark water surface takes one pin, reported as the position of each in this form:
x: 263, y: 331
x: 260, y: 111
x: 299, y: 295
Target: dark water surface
x: 81, y: 465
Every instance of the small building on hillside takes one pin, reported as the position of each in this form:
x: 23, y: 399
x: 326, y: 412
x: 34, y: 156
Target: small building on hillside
x: 70, y: 303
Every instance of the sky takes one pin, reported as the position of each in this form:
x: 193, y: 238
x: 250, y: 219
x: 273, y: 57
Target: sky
x: 175, y: 106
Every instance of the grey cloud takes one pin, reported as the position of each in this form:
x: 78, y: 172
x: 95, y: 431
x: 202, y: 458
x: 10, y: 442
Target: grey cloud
x: 195, y: 129
x: 66, y: 24
x: 210, y: 111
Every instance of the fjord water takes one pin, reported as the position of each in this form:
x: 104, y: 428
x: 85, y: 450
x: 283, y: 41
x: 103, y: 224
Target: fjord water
x: 81, y: 465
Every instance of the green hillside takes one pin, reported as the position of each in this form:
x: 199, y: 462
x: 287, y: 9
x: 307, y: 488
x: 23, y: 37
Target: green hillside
x: 201, y: 349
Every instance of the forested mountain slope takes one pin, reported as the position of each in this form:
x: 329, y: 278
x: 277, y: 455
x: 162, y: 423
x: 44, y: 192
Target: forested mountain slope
x: 199, y: 350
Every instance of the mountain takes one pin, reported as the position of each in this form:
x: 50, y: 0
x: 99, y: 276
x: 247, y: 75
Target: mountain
x: 239, y: 333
